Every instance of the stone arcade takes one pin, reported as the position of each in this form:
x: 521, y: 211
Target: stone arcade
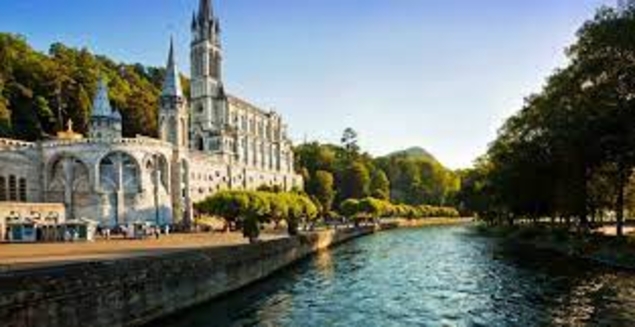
x: 215, y: 142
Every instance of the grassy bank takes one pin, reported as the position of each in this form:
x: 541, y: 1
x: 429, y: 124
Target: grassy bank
x: 595, y: 247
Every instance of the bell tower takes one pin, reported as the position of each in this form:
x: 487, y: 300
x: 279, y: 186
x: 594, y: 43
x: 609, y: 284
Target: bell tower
x: 173, y: 113
x: 209, y: 103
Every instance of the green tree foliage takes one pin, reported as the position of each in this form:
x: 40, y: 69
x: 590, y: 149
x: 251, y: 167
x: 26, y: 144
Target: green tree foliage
x: 355, y: 181
x: 419, y: 180
x: 410, y: 177
x: 371, y: 208
x: 40, y: 92
x: 255, y: 207
x: 321, y: 186
x: 570, y: 151
x: 350, y: 142
x: 349, y: 208
x: 226, y: 204
x: 380, y: 185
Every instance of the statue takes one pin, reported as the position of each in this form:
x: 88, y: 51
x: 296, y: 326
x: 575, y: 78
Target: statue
x: 69, y: 134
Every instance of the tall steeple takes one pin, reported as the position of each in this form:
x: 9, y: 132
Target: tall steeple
x: 173, y: 113
x: 205, y: 11
x: 172, y: 82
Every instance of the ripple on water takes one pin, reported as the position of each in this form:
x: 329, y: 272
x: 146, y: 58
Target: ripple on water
x: 427, y: 277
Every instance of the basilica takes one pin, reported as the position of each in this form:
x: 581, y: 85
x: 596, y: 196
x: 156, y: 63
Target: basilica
x: 208, y: 142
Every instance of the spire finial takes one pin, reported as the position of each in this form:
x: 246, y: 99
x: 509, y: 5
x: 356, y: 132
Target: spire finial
x: 172, y: 82
x: 171, y: 61
x: 205, y: 11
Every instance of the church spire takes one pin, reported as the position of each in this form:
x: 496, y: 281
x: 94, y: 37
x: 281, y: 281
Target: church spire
x: 194, y: 23
x: 205, y: 11
x: 172, y: 82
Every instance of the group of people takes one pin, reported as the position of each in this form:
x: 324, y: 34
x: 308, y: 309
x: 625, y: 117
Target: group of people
x: 135, y: 231
x: 71, y: 235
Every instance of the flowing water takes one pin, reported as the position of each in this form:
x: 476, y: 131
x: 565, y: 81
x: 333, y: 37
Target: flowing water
x: 442, y: 276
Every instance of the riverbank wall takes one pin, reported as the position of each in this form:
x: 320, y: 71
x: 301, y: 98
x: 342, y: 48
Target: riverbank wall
x: 135, y: 291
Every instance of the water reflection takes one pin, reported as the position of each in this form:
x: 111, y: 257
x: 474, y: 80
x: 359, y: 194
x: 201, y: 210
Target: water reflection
x: 429, y: 277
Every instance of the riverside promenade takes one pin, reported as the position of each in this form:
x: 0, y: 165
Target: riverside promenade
x: 144, y: 281
x: 27, y: 256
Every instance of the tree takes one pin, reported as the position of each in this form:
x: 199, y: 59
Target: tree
x: 229, y: 205
x: 256, y: 211
x: 279, y: 206
x: 372, y: 208
x: 355, y: 181
x: 380, y: 185
x: 569, y: 152
x: 321, y: 186
x: 349, y: 141
x: 350, y: 208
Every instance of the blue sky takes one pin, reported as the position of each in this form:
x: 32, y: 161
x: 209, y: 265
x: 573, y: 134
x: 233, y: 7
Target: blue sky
x: 441, y: 74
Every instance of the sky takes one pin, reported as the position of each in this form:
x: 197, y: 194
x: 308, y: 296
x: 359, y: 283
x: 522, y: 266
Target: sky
x: 439, y: 74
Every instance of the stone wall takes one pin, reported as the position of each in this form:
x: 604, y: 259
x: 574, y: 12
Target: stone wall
x: 135, y: 291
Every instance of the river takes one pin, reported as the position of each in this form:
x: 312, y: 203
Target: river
x: 440, y: 276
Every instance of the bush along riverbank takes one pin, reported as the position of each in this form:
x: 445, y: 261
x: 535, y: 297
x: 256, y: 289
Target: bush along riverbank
x: 594, y: 247
x: 427, y: 222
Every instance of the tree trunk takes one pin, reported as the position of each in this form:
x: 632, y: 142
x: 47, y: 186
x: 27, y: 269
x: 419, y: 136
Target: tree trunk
x: 619, y: 208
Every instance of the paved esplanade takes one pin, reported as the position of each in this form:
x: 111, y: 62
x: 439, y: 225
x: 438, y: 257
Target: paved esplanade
x: 19, y: 256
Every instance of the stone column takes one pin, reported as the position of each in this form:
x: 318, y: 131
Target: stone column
x: 156, y: 180
x: 188, y: 213
x: 120, y: 191
x: 67, y: 165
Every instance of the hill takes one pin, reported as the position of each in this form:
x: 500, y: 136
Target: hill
x: 414, y: 152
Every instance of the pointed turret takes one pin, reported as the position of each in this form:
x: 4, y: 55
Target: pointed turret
x: 172, y: 82
x: 116, y: 115
x: 194, y: 23
x: 101, y: 102
x: 105, y: 123
x: 205, y: 11
x: 173, y: 109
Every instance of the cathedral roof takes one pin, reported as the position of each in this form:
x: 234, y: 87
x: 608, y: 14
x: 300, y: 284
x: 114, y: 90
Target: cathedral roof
x: 240, y: 102
x: 172, y: 82
x: 101, y: 102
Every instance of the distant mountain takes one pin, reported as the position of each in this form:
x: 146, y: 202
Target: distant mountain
x: 414, y: 152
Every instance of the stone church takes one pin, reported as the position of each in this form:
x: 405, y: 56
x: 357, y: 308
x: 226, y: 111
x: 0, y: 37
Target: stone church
x: 210, y: 142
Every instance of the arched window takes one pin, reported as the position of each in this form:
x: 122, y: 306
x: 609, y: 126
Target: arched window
x: 22, y: 190
x: 164, y: 169
x: 13, y: 189
x: 109, y: 173
x: 3, y: 189
x: 200, y: 144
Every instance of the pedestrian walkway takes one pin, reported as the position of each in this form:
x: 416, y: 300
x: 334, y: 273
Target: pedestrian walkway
x: 21, y: 256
